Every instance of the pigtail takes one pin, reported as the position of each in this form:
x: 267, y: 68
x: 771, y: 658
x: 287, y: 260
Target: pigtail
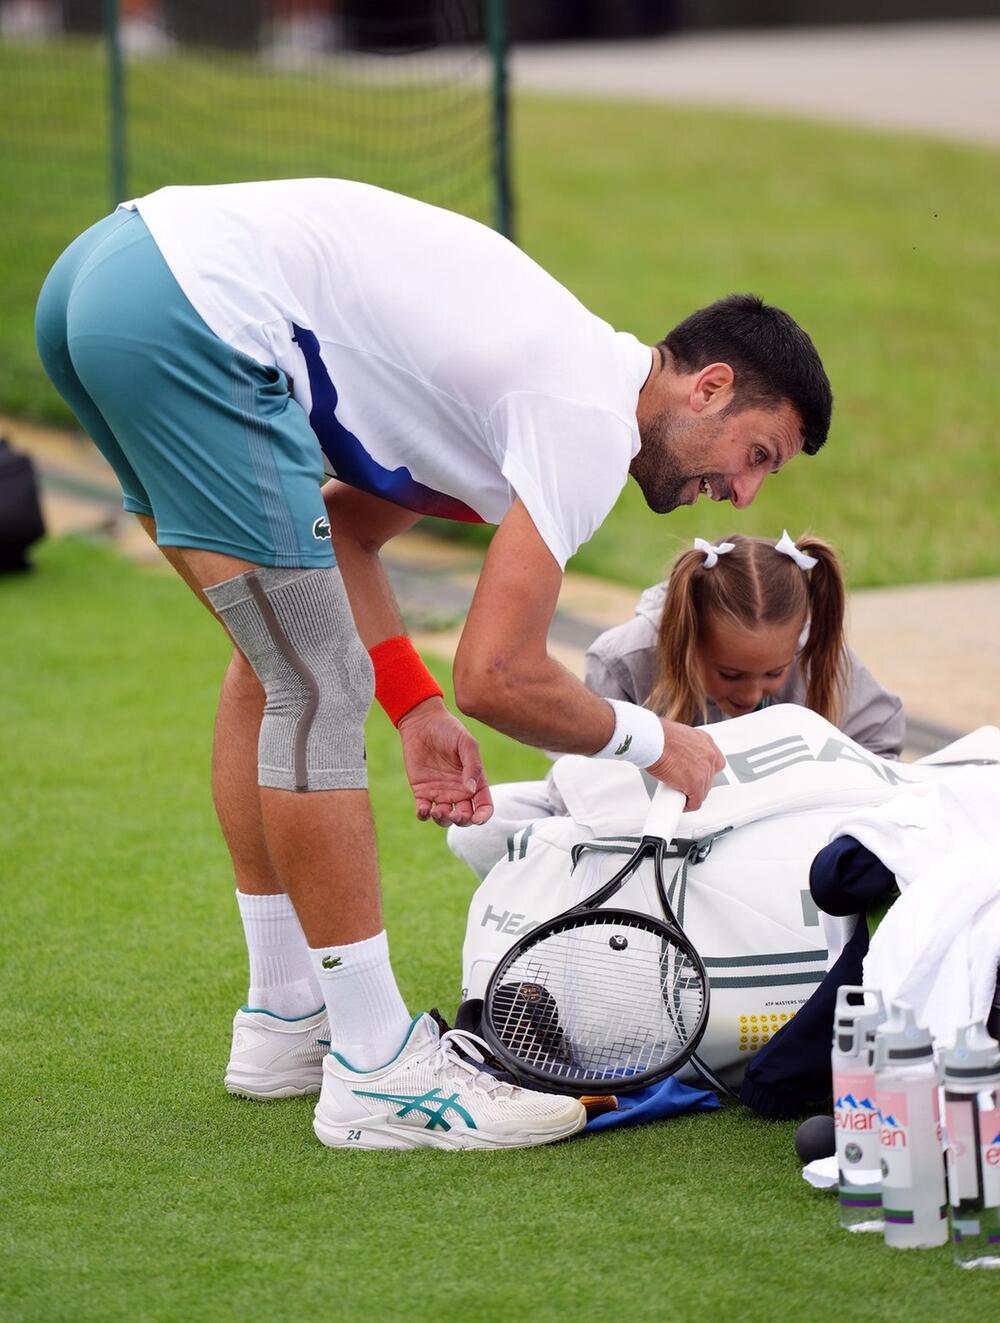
x: 678, y: 694
x: 824, y: 657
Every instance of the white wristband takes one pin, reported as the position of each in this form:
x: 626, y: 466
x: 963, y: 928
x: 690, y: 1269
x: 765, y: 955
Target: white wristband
x: 637, y: 738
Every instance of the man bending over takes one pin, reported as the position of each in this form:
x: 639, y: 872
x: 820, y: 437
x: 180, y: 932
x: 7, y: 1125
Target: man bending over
x: 222, y: 346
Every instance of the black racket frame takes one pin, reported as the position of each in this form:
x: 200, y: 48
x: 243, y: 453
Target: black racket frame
x: 649, y: 847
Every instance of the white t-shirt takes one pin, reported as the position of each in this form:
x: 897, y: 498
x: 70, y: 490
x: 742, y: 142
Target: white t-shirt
x: 440, y: 367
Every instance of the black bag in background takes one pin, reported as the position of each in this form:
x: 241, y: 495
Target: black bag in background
x: 21, y: 521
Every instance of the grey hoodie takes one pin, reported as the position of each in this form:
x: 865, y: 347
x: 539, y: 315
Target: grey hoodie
x: 621, y: 663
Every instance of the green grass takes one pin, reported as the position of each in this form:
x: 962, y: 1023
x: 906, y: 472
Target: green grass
x: 887, y: 248
x: 133, y: 1187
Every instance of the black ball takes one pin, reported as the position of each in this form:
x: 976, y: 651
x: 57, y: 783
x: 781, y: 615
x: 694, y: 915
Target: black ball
x: 816, y: 1138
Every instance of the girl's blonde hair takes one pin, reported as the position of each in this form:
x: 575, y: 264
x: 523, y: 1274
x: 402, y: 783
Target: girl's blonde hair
x: 752, y: 585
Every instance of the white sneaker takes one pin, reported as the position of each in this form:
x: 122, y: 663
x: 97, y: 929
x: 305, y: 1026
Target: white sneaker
x: 428, y: 1096
x: 274, y: 1057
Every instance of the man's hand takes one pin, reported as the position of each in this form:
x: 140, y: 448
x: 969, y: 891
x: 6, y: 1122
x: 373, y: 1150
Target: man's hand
x: 444, y: 767
x: 689, y: 762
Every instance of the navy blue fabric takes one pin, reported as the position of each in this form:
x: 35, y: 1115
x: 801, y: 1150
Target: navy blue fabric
x: 657, y: 1102
x: 846, y: 878
x: 791, y: 1074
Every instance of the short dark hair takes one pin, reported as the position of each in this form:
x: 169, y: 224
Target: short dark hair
x: 771, y: 356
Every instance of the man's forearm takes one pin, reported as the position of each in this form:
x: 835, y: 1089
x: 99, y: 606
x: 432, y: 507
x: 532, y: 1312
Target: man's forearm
x: 541, y: 704
x: 360, y: 525
x: 544, y: 705
x: 503, y: 672
x: 373, y: 603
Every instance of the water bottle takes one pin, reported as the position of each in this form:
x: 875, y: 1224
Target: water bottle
x: 858, y: 1013
x: 914, y: 1204
x: 972, y: 1124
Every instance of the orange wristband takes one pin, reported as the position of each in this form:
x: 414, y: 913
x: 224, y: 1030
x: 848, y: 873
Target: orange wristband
x: 401, y: 678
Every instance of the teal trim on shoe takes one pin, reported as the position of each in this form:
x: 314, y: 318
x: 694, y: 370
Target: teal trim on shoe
x: 354, y: 1070
x: 288, y: 1019
x: 431, y: 1104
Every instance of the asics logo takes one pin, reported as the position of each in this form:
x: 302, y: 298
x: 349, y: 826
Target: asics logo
x: 624, y: 747
x: 321, y: 529
x: 331, y: 962
x: 432, y: 1105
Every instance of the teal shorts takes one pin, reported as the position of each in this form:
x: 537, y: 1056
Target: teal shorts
x: 203, y: 438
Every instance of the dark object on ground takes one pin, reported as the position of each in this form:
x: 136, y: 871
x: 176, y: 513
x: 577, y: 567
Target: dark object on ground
x: 21, y: 522
x: 815, y: 1138
x: 468, y: 1018
x: 791, y: 1074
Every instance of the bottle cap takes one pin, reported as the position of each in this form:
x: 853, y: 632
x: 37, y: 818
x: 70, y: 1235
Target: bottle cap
x: 858, y: 1012
x: 900, y: 1041
x: 974, y: 1055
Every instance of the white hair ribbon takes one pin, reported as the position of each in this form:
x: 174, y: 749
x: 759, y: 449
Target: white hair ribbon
x: 788, y: 548
x: 712, y: 553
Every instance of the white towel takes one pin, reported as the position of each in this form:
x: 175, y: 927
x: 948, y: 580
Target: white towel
x: 938, y: 948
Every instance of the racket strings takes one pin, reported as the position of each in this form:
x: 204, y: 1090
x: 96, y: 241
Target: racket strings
x: 606, y: 997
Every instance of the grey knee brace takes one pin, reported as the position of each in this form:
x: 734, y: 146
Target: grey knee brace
x: 296, y: 630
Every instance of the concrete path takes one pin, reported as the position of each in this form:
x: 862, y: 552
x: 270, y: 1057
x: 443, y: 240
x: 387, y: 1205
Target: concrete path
x: 941, y: 79
x: 936, y: 645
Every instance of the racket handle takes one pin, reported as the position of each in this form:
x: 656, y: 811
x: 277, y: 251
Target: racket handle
x: 664, y: 813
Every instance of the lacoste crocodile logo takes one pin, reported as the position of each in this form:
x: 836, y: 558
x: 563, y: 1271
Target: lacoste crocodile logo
x: 331, y: 962
x: 624, y: 747
x: 321, y: 530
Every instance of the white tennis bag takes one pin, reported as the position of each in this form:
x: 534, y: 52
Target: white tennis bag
x: 740, y: 884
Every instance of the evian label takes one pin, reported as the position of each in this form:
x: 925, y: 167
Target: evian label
x: 895, y: 1138
x: 855, y: 1118
x: 989, y: 1145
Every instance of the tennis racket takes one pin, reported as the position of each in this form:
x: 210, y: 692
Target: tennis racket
x: 598, y: 997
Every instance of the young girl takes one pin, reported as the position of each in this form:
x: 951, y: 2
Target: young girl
x: 737, y: 626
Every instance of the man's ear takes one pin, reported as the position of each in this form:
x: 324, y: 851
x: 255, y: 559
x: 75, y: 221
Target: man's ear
x: 712, y: 388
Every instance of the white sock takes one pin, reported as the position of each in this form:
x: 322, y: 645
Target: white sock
x: 281, y: 974
x: 368, y: 1018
